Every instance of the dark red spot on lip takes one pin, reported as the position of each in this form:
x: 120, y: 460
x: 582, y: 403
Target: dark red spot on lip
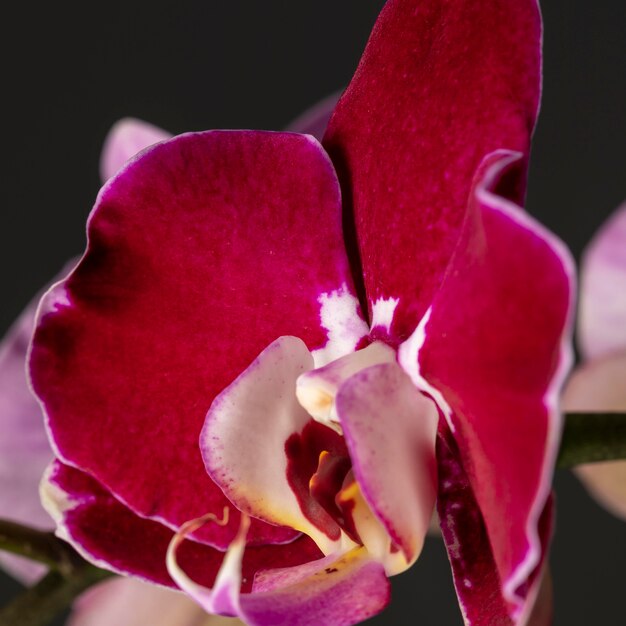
x: 347, y: 505
x: 303, y: 452
x: 327, y: 482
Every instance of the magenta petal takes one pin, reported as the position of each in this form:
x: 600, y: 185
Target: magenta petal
x: 110, y: 535
x: 474, y: 570
x: 495, y: 350
x: 440, y: 85
x: 125, y: 139
x: 315, y: 120
x: 342, y: 592
x: 602, y: 320
x: 390, y: 429
x: 201, y: 253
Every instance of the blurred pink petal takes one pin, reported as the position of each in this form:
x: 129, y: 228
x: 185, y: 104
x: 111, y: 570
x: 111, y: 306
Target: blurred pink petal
x: 315, y: 120
x: 125, y: 139
x: 602, y: 315
x: 24, y: 447
x: 130, y: 602
x: 600, y: 385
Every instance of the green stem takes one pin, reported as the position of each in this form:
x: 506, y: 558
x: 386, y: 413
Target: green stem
x: 592, y: 437
x: 68, y: 577
x: 37, y: 545
x: 53, y: 594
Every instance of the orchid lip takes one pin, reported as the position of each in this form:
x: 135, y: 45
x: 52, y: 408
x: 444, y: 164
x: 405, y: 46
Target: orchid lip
x: 334, y: 485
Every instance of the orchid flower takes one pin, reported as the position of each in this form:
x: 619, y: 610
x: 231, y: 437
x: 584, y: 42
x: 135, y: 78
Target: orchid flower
x: 276, y: 354
x: 599, y: 384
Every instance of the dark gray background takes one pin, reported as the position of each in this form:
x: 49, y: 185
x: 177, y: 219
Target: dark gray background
x: 71, y: 69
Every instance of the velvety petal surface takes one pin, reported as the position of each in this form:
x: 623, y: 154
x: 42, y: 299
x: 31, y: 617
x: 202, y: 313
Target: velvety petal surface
x: 494, y: 350
x: 201, y: 253
x: 474, y: 570
x: 390, y: 429
x: 440, y: 84
x: 134, y: 603
x: 314, y: 121
x: 110, y: 535
x: 126, y: 138
x: 600, y: 385
x: 602, y: 313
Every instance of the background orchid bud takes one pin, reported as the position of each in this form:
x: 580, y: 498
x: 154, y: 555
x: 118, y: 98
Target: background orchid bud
x: 599, y: 383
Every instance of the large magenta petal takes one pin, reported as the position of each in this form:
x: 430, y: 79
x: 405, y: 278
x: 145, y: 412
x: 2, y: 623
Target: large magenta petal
x: 110, y: 535
x: 474, y: 570
x: 494, y: 350
x: 441, y: 84
x: 201, y: 252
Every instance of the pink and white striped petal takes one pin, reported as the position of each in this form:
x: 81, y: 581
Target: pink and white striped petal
x: 127, y: 137
x: 440, y: 85
x: 494, y: 350
x: 338, y: 590
x: 201, y: 253
x: 602, y: 313
x: 390, y: 429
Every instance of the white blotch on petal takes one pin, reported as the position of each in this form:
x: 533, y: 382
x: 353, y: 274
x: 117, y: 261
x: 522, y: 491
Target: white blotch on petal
x: 56, y: 299
x: 55, y: 501
x: 408, y: 357
x: 339, y: 314
x: 383, y: 311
